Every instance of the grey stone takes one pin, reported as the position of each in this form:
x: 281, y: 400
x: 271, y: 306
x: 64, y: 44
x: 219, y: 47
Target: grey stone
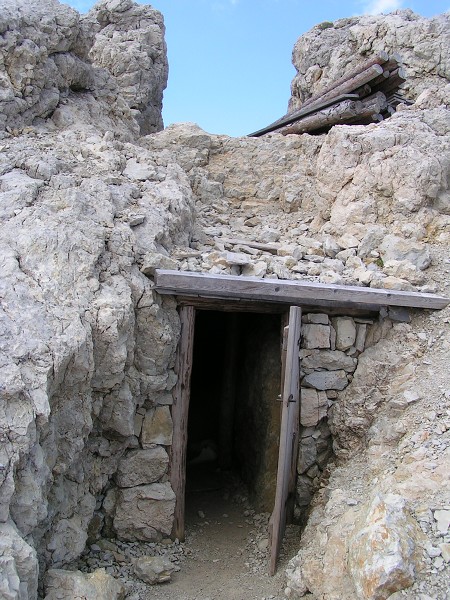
x: 19, y: 565
x: 154, y: 569
x: 345, y: 332
x: 313, y: 407
x: 154, y: 260
x: 144, y: 512
x: 442, y: 518
x: 383, y: 558
x: 142, y: 467
x: 395, y: 248
x: 316, y: 336
x: 332, y: 360
x: 304, y: 491
x: 317, y: 318
x: 157, y: 427
x: 307, y: 454
x: 326, y: 380
x: 371, y: 240
x: 361, y: 332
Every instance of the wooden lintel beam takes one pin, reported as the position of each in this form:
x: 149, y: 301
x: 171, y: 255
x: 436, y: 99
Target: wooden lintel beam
x: 226, y: 287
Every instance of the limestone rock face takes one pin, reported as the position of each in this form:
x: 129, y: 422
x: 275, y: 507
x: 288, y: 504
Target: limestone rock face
x: 55, y: 62
x: 329, y: 50
x: 383, y: 556
x: 130, y: 45
x: 18, y: 565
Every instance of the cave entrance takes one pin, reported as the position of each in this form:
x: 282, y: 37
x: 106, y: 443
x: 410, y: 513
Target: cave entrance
x: 228, y: 413
x: 234, y: 417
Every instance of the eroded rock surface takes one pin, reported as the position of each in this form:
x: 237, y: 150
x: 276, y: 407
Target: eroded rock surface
x: 110, y: 64
x: 89, y: 210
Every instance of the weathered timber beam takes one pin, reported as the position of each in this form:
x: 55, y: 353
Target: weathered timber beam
x: 350, y: 84
x: 339, y: 113
x: 380, y: 59
x: 262, y: 307
x: 271, y: 248
x: 344, y: 91
x: 291, y: 118
x: 347, y: 112
x: 392, y: 83
x: 224, y: 287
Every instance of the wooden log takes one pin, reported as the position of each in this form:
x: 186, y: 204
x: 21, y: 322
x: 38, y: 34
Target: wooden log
x: 226, y: 287
x: 392, y: 83
x: 328, y: 117
x: 345, y: 112
x: 350, y: 84
x: 379, y: 59
x: 271, y: 248
x: 291, y: 118
x: 380, y: 79
x: 371, y: 110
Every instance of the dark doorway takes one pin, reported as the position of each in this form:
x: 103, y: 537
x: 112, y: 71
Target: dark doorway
x: 234, y: 413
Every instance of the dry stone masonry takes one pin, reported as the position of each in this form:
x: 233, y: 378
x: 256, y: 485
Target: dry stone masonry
x: 94, y: 198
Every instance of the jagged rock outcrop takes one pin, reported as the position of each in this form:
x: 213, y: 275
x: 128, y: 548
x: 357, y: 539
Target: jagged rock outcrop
x: 329, y: 50
x: 89, y: 210
x: 109, y: 66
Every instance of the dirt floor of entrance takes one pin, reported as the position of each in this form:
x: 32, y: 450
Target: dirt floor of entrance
x: 225, y: 555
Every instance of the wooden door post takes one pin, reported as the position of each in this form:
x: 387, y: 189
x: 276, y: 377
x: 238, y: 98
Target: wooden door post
x: 288, y: 438
x: 180, y: 411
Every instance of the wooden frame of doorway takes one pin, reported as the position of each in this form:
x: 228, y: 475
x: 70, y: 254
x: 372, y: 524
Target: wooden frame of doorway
x: 237, y: 293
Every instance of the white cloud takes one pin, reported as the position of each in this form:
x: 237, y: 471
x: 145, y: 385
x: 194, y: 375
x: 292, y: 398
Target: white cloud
x: 375, y: 7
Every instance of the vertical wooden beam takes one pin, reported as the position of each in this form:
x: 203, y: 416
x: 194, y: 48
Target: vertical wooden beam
x: 180, y: 411
x: 288, y: 436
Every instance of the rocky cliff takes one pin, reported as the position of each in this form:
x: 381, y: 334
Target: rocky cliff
x: 89, y: 209
x: 330, y: 49
x: 108, y: 66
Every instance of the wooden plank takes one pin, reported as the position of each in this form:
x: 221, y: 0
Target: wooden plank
x: 296, y: 292
x: 288, y: 436
x: 379, y: 59
x: 260, y: 306
x: 271, y: 248
x: 180, y: 410
x: 349, y: 84
x: 342, y: 113
x: 302, y: 112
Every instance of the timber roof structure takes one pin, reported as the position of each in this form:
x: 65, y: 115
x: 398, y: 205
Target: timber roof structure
x: 367, y: 94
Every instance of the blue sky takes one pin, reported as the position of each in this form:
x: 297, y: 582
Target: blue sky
x: 230, y: 60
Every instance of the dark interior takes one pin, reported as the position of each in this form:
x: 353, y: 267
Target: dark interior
x: 234, y: 413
